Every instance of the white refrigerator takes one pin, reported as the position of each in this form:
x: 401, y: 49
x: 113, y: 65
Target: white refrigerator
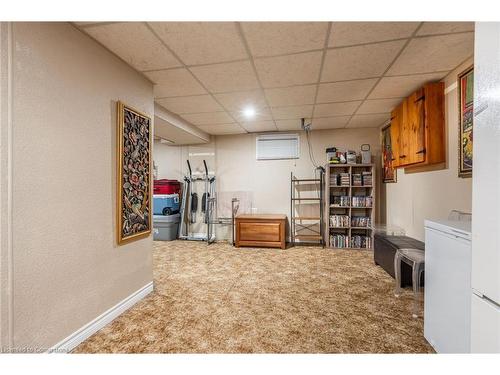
x: 485, y: 275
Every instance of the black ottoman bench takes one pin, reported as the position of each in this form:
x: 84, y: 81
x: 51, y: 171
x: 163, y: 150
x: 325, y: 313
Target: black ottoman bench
x: 385, y: 248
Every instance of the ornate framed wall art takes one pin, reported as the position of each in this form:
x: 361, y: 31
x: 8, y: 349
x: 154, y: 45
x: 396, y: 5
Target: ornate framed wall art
x: 134, y: 214
x: 465, y: 113
x: 388, y: 172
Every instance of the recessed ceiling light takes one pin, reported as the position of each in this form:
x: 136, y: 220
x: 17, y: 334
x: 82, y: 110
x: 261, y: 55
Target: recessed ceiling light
x: 249, y: 112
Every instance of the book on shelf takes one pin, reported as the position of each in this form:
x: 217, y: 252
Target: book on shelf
x: 343, y: 241
x: 362, y: 201
x: 339, y: 221
x: 334, y: 179
x: 361, y: 241
x: 361, y: 221
x: 356, y: 179
x: 340, y: 200
x: 367, y: 178
x: 344, y: 179
x: 339, y: 240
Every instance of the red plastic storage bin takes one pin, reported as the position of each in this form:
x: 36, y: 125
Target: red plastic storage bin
x: 166, y: 186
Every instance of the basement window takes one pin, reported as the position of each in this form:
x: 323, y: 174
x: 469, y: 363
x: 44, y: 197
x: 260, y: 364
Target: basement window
x: 277, y: 146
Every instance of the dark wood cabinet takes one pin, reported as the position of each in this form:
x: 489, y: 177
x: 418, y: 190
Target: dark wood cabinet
x: 417, y: 128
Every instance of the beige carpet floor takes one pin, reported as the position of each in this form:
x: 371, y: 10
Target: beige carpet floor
x: 218, y: 299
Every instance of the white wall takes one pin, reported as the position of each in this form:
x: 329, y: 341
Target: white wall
x: 67, y: 267
x: 168, y: 161
x: 425, y: 195
x: 268, y: 181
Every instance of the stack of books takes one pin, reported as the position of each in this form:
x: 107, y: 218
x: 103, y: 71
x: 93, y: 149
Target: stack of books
x: 360, y: 241
x: 367, y: 178
x: 361, y: 221
x: 340, y: 201
x: 339, y: 221
x: 362, y: 201
x: 356, y: 179
x: 339, y: 240
x: 334, y: 179
x: 344, y: 179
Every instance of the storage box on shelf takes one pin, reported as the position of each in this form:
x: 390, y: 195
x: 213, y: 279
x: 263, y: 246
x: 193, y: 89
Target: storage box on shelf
x: 350, y: 203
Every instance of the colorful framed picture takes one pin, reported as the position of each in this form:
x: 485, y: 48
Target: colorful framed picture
x: 134, y: 214
x: 388, y: 172
x: 465, y: 112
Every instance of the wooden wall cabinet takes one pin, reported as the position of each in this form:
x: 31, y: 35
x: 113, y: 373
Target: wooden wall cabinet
x: 417, y: 128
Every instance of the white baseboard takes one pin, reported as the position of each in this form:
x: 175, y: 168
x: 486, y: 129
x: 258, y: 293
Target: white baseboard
x: 76, y: 338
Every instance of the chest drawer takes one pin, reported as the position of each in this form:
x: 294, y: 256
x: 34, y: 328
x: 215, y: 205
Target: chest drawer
x: 261, y: 231
x: 252, y: 231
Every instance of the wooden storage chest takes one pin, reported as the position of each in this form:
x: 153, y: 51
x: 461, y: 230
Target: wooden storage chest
x: 261, y: 230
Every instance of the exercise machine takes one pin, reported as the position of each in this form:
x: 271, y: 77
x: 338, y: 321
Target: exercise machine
x: 190, y: 206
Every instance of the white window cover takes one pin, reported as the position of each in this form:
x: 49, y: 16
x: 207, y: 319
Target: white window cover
x: 277, y: 146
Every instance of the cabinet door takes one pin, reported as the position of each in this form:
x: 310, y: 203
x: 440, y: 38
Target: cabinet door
x: 399, y: 134
x: 395, y: 134
x: 415, y: 127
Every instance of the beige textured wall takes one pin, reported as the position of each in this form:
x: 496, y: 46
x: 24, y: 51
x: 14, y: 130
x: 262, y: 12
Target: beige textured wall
x: 168, y: 160
x: 419, y: 196
x: 67, y: 266
x: 269, y: 181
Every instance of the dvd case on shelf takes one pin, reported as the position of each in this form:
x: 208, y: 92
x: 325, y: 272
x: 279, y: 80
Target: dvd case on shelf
x: 339, y: 221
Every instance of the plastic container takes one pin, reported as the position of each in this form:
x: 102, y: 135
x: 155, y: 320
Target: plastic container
x: 166, y: 186
x: 165, y: 227
x: 165, y: 204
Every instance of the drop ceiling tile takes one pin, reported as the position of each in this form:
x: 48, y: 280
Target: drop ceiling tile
x: 223, y: 129
x: 174, y: 82
x: 276, y: 38
x: 344, y: 91
x: 190, y: 104
x: 292, y: 112
x: 330, y: 122
x: 284, y: 125
x: 365, y: 61
x: 212, y: 118
x: 298, y: 69
x: 202, y: 42
x: 296, y: 95
x: 259, y: 126
x: 235, y: 76
x: 335, y: 109
x: 238, y: 101
x: 350, y: 33
x: 429, y: 28
x: 401, y: 87
x: 135, y: 44
x: 378, y: 106
x: 433, y: 54
x: 368, y: 121
x: 261, y: 114
x: 90, y: 23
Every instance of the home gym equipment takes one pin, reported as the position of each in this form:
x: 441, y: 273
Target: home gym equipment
x: 189, y: 207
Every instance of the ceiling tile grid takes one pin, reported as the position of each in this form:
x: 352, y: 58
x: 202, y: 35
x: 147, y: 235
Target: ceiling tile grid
x: 135, y: 44
x: 340, y: 74
x: 366, y: 61
x: 277, y: 38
